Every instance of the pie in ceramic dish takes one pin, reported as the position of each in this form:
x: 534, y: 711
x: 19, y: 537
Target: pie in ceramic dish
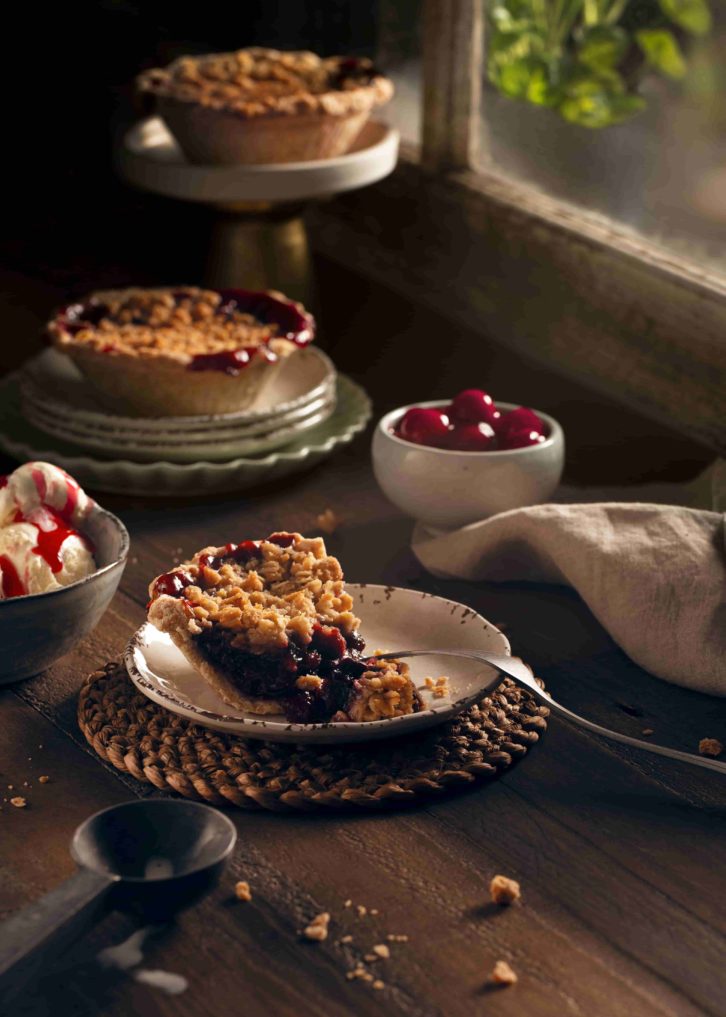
x: 185, y: 351
x: 265, y: 106
x: 270, y: 627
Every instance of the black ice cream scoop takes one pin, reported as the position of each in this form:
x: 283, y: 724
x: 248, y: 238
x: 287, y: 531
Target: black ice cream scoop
x: 152, y: 858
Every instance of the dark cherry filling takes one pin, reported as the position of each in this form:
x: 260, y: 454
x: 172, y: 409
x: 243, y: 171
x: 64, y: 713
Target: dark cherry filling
x: 74, y: 317
x: 272, y: 676
x: 353, y: 69
x: 292, y: 324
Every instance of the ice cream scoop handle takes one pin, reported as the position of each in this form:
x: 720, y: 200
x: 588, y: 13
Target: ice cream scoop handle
x: 31, y: 939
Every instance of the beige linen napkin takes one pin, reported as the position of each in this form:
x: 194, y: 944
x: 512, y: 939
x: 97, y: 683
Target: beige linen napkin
x: 653, y: 575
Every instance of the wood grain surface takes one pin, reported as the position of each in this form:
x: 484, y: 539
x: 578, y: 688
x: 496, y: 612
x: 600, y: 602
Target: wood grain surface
x: 620, y: 856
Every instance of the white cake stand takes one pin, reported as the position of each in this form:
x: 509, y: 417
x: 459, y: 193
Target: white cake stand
x: 259, y: 239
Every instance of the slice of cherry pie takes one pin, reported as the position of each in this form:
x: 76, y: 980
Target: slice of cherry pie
x: 270, y: 626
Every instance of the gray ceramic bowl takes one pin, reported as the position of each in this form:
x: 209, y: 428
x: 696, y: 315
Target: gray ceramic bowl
x: 38, y: 629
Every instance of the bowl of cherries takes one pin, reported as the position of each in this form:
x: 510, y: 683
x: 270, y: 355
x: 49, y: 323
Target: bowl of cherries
x: 449, y: 464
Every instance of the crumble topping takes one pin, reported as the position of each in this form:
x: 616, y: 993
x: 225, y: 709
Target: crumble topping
x: 504, y: 890
x: 257, y: 82
x: 182, y: 323
x: 265, y: 592
x: 385, y: 693
x: 710, y: 747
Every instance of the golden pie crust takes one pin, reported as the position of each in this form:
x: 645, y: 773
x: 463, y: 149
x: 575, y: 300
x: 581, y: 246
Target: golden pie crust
x: 146, y: 351
x: 261, y: 105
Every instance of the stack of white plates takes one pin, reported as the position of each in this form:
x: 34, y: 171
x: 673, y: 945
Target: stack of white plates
x: 58, y: 400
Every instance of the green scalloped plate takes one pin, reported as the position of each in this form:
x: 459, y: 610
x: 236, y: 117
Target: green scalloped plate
x: 23, y: 441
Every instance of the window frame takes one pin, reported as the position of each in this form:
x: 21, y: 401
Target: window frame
x: 593, y: 300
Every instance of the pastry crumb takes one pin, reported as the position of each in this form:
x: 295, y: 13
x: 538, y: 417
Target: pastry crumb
x: 346, y: 939
x: 328, y: 521
x: 317, y: 929
x: 19, y: 802
x: 309, y: 683
x: 504, y: 890
x: 710, y: 747
x: 394, y: 937
x: 242, y: 890
x: 647, y: 731
x: 348, y: 903
x: 378, y: 984
x: 43, y: 780
x: 502, y: 974
x: 370, y: 958
x: 362, y: 910
x: 439, y: 687
x: 381, y: 950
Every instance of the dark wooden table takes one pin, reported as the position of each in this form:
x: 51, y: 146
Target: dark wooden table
x: 620, y: 855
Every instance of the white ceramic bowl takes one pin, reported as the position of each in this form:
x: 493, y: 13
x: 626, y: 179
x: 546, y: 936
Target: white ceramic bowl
x: 446, y: 489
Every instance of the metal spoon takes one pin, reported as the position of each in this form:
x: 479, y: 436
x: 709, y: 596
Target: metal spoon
x: 152, y: 858
x: 519, y: 672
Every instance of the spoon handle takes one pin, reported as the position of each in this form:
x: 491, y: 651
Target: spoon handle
x: 32, y: 938
x: 519, y: 672
x: 615, y: 736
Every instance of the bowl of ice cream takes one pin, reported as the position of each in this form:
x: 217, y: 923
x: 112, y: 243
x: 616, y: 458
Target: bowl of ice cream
x: 61, y: 560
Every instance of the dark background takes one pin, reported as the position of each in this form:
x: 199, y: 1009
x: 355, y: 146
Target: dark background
x: 71, y: 69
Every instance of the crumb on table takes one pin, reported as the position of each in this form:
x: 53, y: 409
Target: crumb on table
x: 19, y: 802
x: 502, y: 974
x: 328, y: 521
x: 317, y: 929
x: 710, y: 747
x: 242, y: 890
x: 504, y: 890
x: 43, y: 780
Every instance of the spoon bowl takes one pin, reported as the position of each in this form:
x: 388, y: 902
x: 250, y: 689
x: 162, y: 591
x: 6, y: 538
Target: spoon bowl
x: 161, y: 855
x: 152, y: 858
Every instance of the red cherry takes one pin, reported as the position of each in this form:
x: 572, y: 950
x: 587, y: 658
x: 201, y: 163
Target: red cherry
x: 472, y: 438
x: 520, y: 439
x: 522, y: 419
x: 424, y: 427
x: 472, y: 406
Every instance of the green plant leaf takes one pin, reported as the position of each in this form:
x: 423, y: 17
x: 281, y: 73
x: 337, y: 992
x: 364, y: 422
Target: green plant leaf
x: 602, y: 47
x: 662, y: 51
x: 692, y: 15
x: 524, y: 78
x: 598, y: 101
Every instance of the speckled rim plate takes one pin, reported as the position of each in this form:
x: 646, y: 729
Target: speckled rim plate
x: 182, y: 449
x: 21, y: 440
x: 392, y: 618
x: 306, y: 376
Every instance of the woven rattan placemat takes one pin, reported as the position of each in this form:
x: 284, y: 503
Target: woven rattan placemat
x: 150, y: 743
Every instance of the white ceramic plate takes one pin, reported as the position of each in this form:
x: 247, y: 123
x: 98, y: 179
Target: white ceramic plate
x: 181, y: 449
x: 391, y: 619
x: 53, y: 384
x: 150, y: 158
x: 20, y: 439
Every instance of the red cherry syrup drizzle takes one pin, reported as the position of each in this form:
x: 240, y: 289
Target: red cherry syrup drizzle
x: 12, y: 585
x: 291, y: 323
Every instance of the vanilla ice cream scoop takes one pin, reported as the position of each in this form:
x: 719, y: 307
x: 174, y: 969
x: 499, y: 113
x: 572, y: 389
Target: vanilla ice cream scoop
x: 41, y: 547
